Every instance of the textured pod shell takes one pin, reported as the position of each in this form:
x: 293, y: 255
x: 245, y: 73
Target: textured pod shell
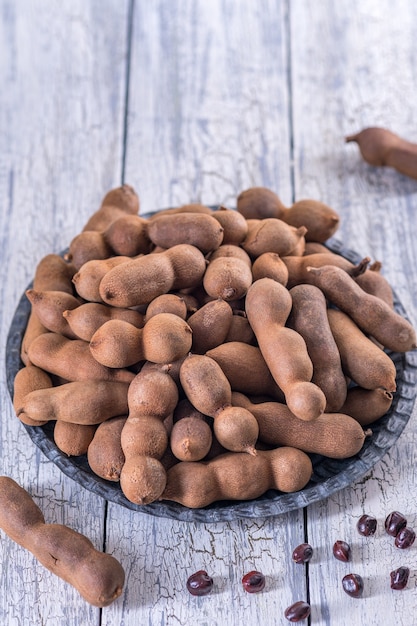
x: 272, y: 235
x: 259, y: 203
x: 228, y: 278
x: 320, y: 220
x: 196, y: 229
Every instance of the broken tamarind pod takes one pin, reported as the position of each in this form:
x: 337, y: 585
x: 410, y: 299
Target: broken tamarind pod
x: 382, y: 147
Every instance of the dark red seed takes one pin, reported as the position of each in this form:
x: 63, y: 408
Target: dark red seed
x: 302, y: 553
x: 399, y: 578
x: 405, y: 538
x: 253, y: 582
x: 394, y: 523
x: 341, y: 551
x: 297, y: 611
x: 200, y: 583
x: 366, y: 525
x: 353, y: 585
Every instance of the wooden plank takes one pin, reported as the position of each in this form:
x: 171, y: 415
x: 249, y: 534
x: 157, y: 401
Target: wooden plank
x: 61, y: 130
x: 208, y: 117
x: 353, y: 66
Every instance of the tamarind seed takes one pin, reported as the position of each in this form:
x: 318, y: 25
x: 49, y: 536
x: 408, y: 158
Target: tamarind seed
x: 302, y: 553
x: 298, y: 611
x: 366, y: 525
x: 399, y: 577
x: 405, y: 538
x: 199, y: 583
x: 353, y: 585
x: 341, y: 551
x: 395, y: 522
x: 253, y: 582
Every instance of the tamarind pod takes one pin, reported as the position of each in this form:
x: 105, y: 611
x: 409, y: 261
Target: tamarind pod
x: 73, y: 439
x: 363, y: 361
x: 104, y: 454
x: 28, y: 379
x: 167, y: 303
x: 237, y: 476
x: 87, y: 246
x: 49, y: 306
x: 87, y: 279
x: 53, y: 273
x: 34, y: 328
x: 309, y: 318
x: 370, y: 313
x: 79, y: 402
x: 98, y: 577
x: 320, y: 220
x: 245, y: 369
x: 334, y: 435
x: 315, y: 247
x: 152, y: 397
x: 270, y: 265
x: 228, y: 278
x: 193, y: 207
x: 367, y: 405
x: 191, y: 438
x: 259, y: 203
x: 268, y: 305
x: 298, y: 266
x: 240, y: 330
x: 272, y: 235
x: 141, y: 280
x: 210, y: 325
x: 197, y: 229
x: 382, y: 147
x: 71, y: 359
x: 230, y: 250
x: 375, y: 284
x: 127, y: 236
x: 116, y: 202
x: 234, y: 225
x: 87, y: 318
x: 209, y: 391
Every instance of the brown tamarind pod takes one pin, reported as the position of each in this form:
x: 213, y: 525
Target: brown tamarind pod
x: 273, y: 235
x: 79, y: 402
x: 382, y: 147
x: 315, y: 247
x: 268, y: 305
x: 234, y: 225
x: 228, y: 278
x: 309, y: 318
x: 367, y: 405
x: 196, y: 229
x: 245, y: 369
x: 209, y: 391
x: 270, y: 265
x: 73, y: 439
x: 116, y: 202
x: 128, y: 236
x: 373, y: 316
x: 298, y: 272
x: 71, y: 359
x: 87, y: 246
x: 104, y: 454
x: 192, y: 207
x: 191, y: 438
x: 334, y: 435
x: 49, y: 306
x: 87, y: 318
x: 210, y: 325
x: 237, y: 476
x: 230, y: 250
x: 141, y: 280
x: 373, y: 282
x: 320, y: 220
x: 87, y: 279
x: 363, y: 361
x: 167, y: 303
x: 240, y: 330
x: 29, y: 378
x: 259, y: 203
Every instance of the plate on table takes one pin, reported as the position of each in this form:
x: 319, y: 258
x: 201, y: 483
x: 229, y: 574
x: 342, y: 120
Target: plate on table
x: 329, y: 475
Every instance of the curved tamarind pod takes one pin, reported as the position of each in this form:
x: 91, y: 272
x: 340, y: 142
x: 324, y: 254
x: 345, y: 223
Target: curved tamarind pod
x: 268, y: 305
x: 367, y: 405
x: 98, y: 577
x: 335, y: 435
x: 87, y: 318
x: 382, y: 147
x: 370, y: 313
x: 237, y: 476
x: 49, y: 306
x: 297, y: 266
x: 362, y: 360
x: 309, y: 318
x: 28, y: 379
x: 376, y: 284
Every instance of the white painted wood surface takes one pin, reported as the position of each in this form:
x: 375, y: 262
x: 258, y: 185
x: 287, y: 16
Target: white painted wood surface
x: 222, y: 95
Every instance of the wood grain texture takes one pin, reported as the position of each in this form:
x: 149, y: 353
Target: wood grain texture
x: 362, y: 74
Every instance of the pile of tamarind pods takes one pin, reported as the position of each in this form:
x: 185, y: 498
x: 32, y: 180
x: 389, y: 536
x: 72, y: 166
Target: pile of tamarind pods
x: 201, y: 355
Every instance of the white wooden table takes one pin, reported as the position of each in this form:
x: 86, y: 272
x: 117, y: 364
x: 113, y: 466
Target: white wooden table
x: 190, y: 100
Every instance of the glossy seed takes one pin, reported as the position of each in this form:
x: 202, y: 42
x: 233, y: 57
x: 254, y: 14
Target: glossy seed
x: 341, y: 551
x: 367, y: 525
x: 353, y: 585
x: 302, y: 553
x: 199, y: 583
x: 297, y: 611
x: 405, y: 538
x: 395, y: 522
x: 253, y: 582
x: 399, y: 578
